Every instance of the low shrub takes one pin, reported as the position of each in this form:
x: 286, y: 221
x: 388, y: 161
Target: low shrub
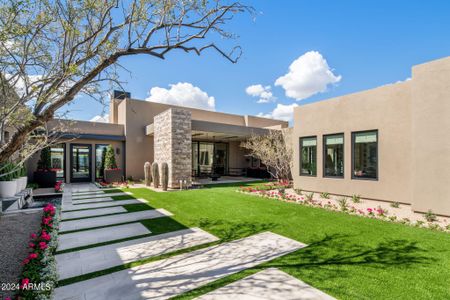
x: 309, y: 197
x: 395, y: 204
x: 39, y: 275
x: 325, y: 195
x: 356, y: 198
x: 298, y: 191
x: 343, y: 204
x: 430, y: 216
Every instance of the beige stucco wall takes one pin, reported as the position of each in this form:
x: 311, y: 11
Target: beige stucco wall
x: 386, y: 109
x: 413, y: 123
x: 431, y: 136
x: 137, y: 114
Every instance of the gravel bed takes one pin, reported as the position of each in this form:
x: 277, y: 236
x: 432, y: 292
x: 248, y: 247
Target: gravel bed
x: 15, y: 230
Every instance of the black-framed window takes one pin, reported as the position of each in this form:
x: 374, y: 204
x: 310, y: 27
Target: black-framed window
x: 308, y: 156
x: 365, y: 155
x: 333, y: 155
x: 100, y: 151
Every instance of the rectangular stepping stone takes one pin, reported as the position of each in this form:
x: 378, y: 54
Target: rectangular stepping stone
x: 169, y: 277
x: 100, y: 258
x: 92, y: 212
x: 85, y: 197
x: 91, y: 200
x: 100, y: 235
x: 71, y: 207
x: 65, y: 226
x: 88, y: 192
x: 270, y: 284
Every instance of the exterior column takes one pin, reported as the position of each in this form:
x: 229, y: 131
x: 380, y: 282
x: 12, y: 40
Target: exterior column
x: 172, y: 144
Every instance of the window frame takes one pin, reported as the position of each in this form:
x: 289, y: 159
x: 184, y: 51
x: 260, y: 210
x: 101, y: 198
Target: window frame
x: 353, y: 156
x: 300, y: 155
x: 324, y: 149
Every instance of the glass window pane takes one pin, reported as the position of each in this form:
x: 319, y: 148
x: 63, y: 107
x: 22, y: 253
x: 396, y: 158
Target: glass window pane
x: 308, y: 156
x: 57, y: 160
x: 334, y: 155
x: 100, y: 152
x: 80, y: 162
x: 365, y: 155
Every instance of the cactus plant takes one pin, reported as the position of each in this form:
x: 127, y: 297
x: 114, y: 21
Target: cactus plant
x: 155, y: 174
x: 147, y: 172
x: 164, y: 175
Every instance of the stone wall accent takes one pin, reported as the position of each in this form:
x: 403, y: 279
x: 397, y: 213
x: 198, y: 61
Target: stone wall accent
x: 173, y: 144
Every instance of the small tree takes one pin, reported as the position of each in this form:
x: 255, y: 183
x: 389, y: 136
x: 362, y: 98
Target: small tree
x: 45, y: 162
x: 274, y: 150
x: 110, y: 158
x: 101, y: 171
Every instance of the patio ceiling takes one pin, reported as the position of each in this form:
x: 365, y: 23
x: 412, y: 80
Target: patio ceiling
x: 205, y: 130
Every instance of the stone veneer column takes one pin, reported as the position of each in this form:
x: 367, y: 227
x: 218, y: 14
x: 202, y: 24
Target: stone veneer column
x: 173, y: 144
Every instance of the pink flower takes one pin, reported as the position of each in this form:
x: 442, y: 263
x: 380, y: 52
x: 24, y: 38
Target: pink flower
x: 25, y: 282
x: 31, y: 245
x: 32, y: 256
x: 369, y: 210
x: 43, y: 245
x: 33, y: 236
x: 25, y: 261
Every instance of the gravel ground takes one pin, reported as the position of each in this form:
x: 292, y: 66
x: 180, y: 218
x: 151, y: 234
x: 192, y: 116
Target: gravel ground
x: 15, y: 230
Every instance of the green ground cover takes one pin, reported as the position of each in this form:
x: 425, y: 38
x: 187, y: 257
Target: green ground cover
x: 349, y: 257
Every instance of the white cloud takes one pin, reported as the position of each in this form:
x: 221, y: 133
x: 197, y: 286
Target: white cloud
x: 100, y: 119
x: 182, y: 94
x: 21, y: 83
x: 281, y: 112
x: 263, y: 92
x: 308, y: 75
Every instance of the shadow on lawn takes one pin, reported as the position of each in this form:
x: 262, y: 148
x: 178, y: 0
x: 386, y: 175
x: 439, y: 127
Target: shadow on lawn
x: 333, y: 257
x: 332, y: 252
x: 228, y: 231
x: 235, y: 184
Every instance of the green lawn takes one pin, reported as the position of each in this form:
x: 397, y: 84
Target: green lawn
x: 348, y: 257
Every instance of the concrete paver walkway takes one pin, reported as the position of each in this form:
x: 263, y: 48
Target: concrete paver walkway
x: 169, y: 277
x: 270, y: 284
x: 100, y: 235
x: 71, y: 207
x: 88, y: 196
x: 65, y: 226
x: 65, y: 215
x: 92, y: 200
x: 104, y: 257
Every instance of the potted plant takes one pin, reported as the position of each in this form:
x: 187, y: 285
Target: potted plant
x: 8, y: 185
x: 111, y: 172
x: 44, y: 176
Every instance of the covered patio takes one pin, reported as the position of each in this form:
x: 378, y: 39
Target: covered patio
x: 206, y: 150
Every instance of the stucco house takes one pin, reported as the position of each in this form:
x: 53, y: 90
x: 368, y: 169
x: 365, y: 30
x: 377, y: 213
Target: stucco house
x: 193, y: 142
x: 390, y: 143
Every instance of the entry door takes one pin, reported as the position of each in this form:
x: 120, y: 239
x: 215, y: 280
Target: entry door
x: 80, y: 163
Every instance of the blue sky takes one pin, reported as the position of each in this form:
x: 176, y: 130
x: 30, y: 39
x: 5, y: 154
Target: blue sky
x: 367, y: 43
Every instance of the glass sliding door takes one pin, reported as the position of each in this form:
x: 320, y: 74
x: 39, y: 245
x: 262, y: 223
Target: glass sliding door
x: 209, y: 157
x: 206, y: 157
x: 220, y: 158
x: 57, y: 160
x: 80, y: 163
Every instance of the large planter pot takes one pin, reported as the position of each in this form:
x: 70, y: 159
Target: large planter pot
x: 23, y: 182
x: 18, y: 185
x: 113, y: 175
x: 45, y: 179
x: 8, y: 188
